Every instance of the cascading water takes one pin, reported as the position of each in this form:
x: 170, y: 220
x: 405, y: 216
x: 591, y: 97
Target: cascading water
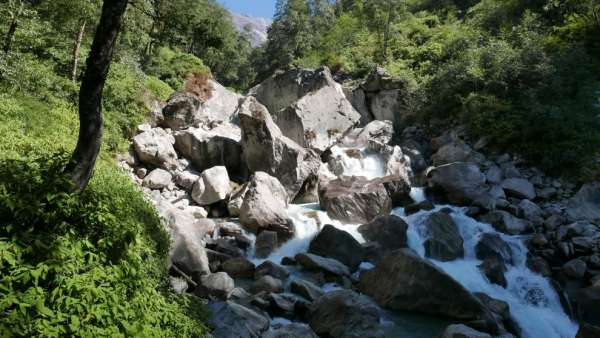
x: 533, y: 302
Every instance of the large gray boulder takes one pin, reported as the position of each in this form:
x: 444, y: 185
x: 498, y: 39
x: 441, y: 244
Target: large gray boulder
x: 462, y: 182
x: 519, y: 188
x: 389, y: 231
x: 404, y: 281
x: 212, y: 145
x: 585, y: 205
x: 345, y: 314
x: 212, y: 186
x: 306, y: 289
x: 157, y: 179
x: 445, y: 242
x: 355, y: 199
x: 506, y: 222
x: 216, y: 285
x: 181, y: 111
x: 454, y: 152
x: 492, y: 246
x: 308, y: 106
x: 338, y: 244
x: 462, y: 331
x: 231, y: 320
x: 328, y: 266
x: 267, y: 149
x: 265, y: 206
x: 155, y: 147
x: 221, y: 104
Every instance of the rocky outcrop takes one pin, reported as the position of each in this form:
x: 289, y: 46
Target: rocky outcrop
x: 181, y: 111
x: 345, y: 314
x: 266, y: 149
x: 355, y: 199
x: 155, y: 147
x: 337, y: 244
x: 585, y: 205
x: 388, y: 231
x: 463, y: 183
x: 444, y: 242
x: 231, y: 320
x: 221, y: 105
x: 308, y: 106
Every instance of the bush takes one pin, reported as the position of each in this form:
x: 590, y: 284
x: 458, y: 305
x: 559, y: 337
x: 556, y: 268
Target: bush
x: 90, y: 264
x: 172, y: 67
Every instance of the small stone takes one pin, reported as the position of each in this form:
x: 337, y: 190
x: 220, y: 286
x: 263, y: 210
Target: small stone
x: 266, y: 243
x: 141, y: 173
x: 575, y: 268
x: 539, y: 240
x: 267, y: 284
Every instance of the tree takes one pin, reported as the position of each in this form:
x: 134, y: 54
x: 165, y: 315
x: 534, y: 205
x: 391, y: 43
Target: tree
x: 15, y: 9
x: 89, y: 141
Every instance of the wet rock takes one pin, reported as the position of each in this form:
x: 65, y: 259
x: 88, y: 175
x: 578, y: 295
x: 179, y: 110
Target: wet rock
x: 267, y: 284
x: 494, y: 270
x: 588, y: 331
x: 519, y: 188
x: 212, y: 186
x: 493, y: 246
x: 265, y: 205
x: 462, y: 331
x: 231, y: 320
x: 284, y: 304
x: 575, y: 268
x: 444, y: 242
x: 266, y: 243
x: 294, y: 330
x: 462, y: 182
x: 268, y: 268
x: 155, y: 147
x: 416, y: 207
x: 379, y: 131
x: 328, y: 266
x: 585, y: 205
x: 506, y: 222
x: 355, y: 199
x: 238, y: 267
x: 181, y: 111
x: 266, y: 149
x: 218, y: 285
x: 157, y: 179
x: 588, y: 303
x: 389, y: 231
x: 404, y: 281
x: 306, y: 289
x: 539, y: 265
x: 227, y: 246
x: 398, y: 188
x: 337, y: 244
x: 345, y: 314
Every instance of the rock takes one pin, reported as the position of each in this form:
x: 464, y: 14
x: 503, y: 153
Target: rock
x: 493, y: 246
x: 444, y: 242
x: 530, y: 211
x: 337, y: 244
x: 141, y: 173
x: 453, y: 152
x: 212, y: 186
x: 585, y: 205
x: 494, y: 175
x: 218, y: 285
x: 268, y: 268
x: 265, y: 205
x: 462, y: 331
x: 236, y: 200
x: 306, y: 289
x: 178, y: 285
x: 231, y: 320
x: 157, y: 179
x: 588, y: 331
x: 397, y: 187
x: 355, y: 199
x: 293, y: 330
x: 155, y: 147
x: 356, y: 96
x: 388, y: 97
x: 389, y: 231
x: 588, y: 303
x: 397, y: 164
x: 212, y: 145
x: 266, y: 149
x: 266, y: 243
x: 404, y: 281
x: 238, y: 267
x: 308, y: 106
x: 546, y: 193
x: 519, y: 188
x: 506, y: 223
x: 329, y: 266
x: 227, y: 246
x: 575, y: 268
x: 494, y: 270
x: 380, y: 131
x: 539, y: 240
x: 345, y: 314
x: 539, y: 265
x: 186, y: 179
x: 181, y: 111
x: 462, y: 182
x: 416, y: 207
x: 267, y: 284
x: 221, y: 104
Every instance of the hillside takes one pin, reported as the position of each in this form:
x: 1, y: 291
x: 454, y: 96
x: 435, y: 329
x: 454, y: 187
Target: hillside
x: 257, y: 27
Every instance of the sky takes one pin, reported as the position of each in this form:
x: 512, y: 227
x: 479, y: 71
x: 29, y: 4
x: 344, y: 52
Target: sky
x: 262, y: 8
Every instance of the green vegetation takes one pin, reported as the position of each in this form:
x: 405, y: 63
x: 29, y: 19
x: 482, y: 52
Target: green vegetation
x: 525, y: 74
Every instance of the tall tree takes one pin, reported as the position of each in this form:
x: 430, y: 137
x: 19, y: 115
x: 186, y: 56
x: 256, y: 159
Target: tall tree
x: 15, y: 9
x: 86, y: 152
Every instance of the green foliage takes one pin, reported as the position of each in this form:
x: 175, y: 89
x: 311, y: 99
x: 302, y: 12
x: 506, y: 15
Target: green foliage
x: 172, y: 66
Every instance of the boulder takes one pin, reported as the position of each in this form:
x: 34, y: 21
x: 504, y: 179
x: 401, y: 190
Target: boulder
x: 265, y: 244
x: 308, y: 106
x: 585, y: 205
x: 588, y: 331
x: 328, y: 266
x: 462, y: 331
x: 493, y: 246
x: 519, y: 188
x: 238, y: 267
x: 306, y: 289
x: 221, y: 104
x: 530, y: 211
x: 494, y: 175
x: 181, y: 111
x: 388, y: 231
x: 454, y: 152
x: 381, y: 132
x: 186, y: 179
x: 265, y: 206
x: 231, y: 320
x: 354, y: 199
x: 293, y: 330
x: 445, y: 242
x: 404, y: 281
x: 212, y: 186
x: 494, y: 270
x: 155, y: 147
x: 506, y: 222
x: 337, y: 244
x: 588, y: 303
x: 236, y: 200
x: 268, y: 268
x: 157, y: 179
x: 388, y: 97
x: 267, y: 284
x: 218, y: 285
x: 212, y: 145
x: 266, y: 149
x: 575, y: 268
x: 345, y: 314
x: 462, y: 182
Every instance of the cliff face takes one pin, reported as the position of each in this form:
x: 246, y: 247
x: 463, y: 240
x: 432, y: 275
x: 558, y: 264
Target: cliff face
x: 258, y: 27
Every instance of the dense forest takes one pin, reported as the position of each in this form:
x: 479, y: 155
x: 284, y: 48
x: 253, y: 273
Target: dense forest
x: 523, y: 74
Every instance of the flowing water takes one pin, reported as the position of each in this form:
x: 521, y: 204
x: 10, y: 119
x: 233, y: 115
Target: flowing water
x: 533, y: 302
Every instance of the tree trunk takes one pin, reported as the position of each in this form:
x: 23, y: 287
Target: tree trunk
x: 77, y: 49
x: 386, y: 34
x: 81, y: 167
x: 10, y: 34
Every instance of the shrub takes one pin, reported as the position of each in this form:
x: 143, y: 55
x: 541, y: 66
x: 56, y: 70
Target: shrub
x: 172, y: 66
